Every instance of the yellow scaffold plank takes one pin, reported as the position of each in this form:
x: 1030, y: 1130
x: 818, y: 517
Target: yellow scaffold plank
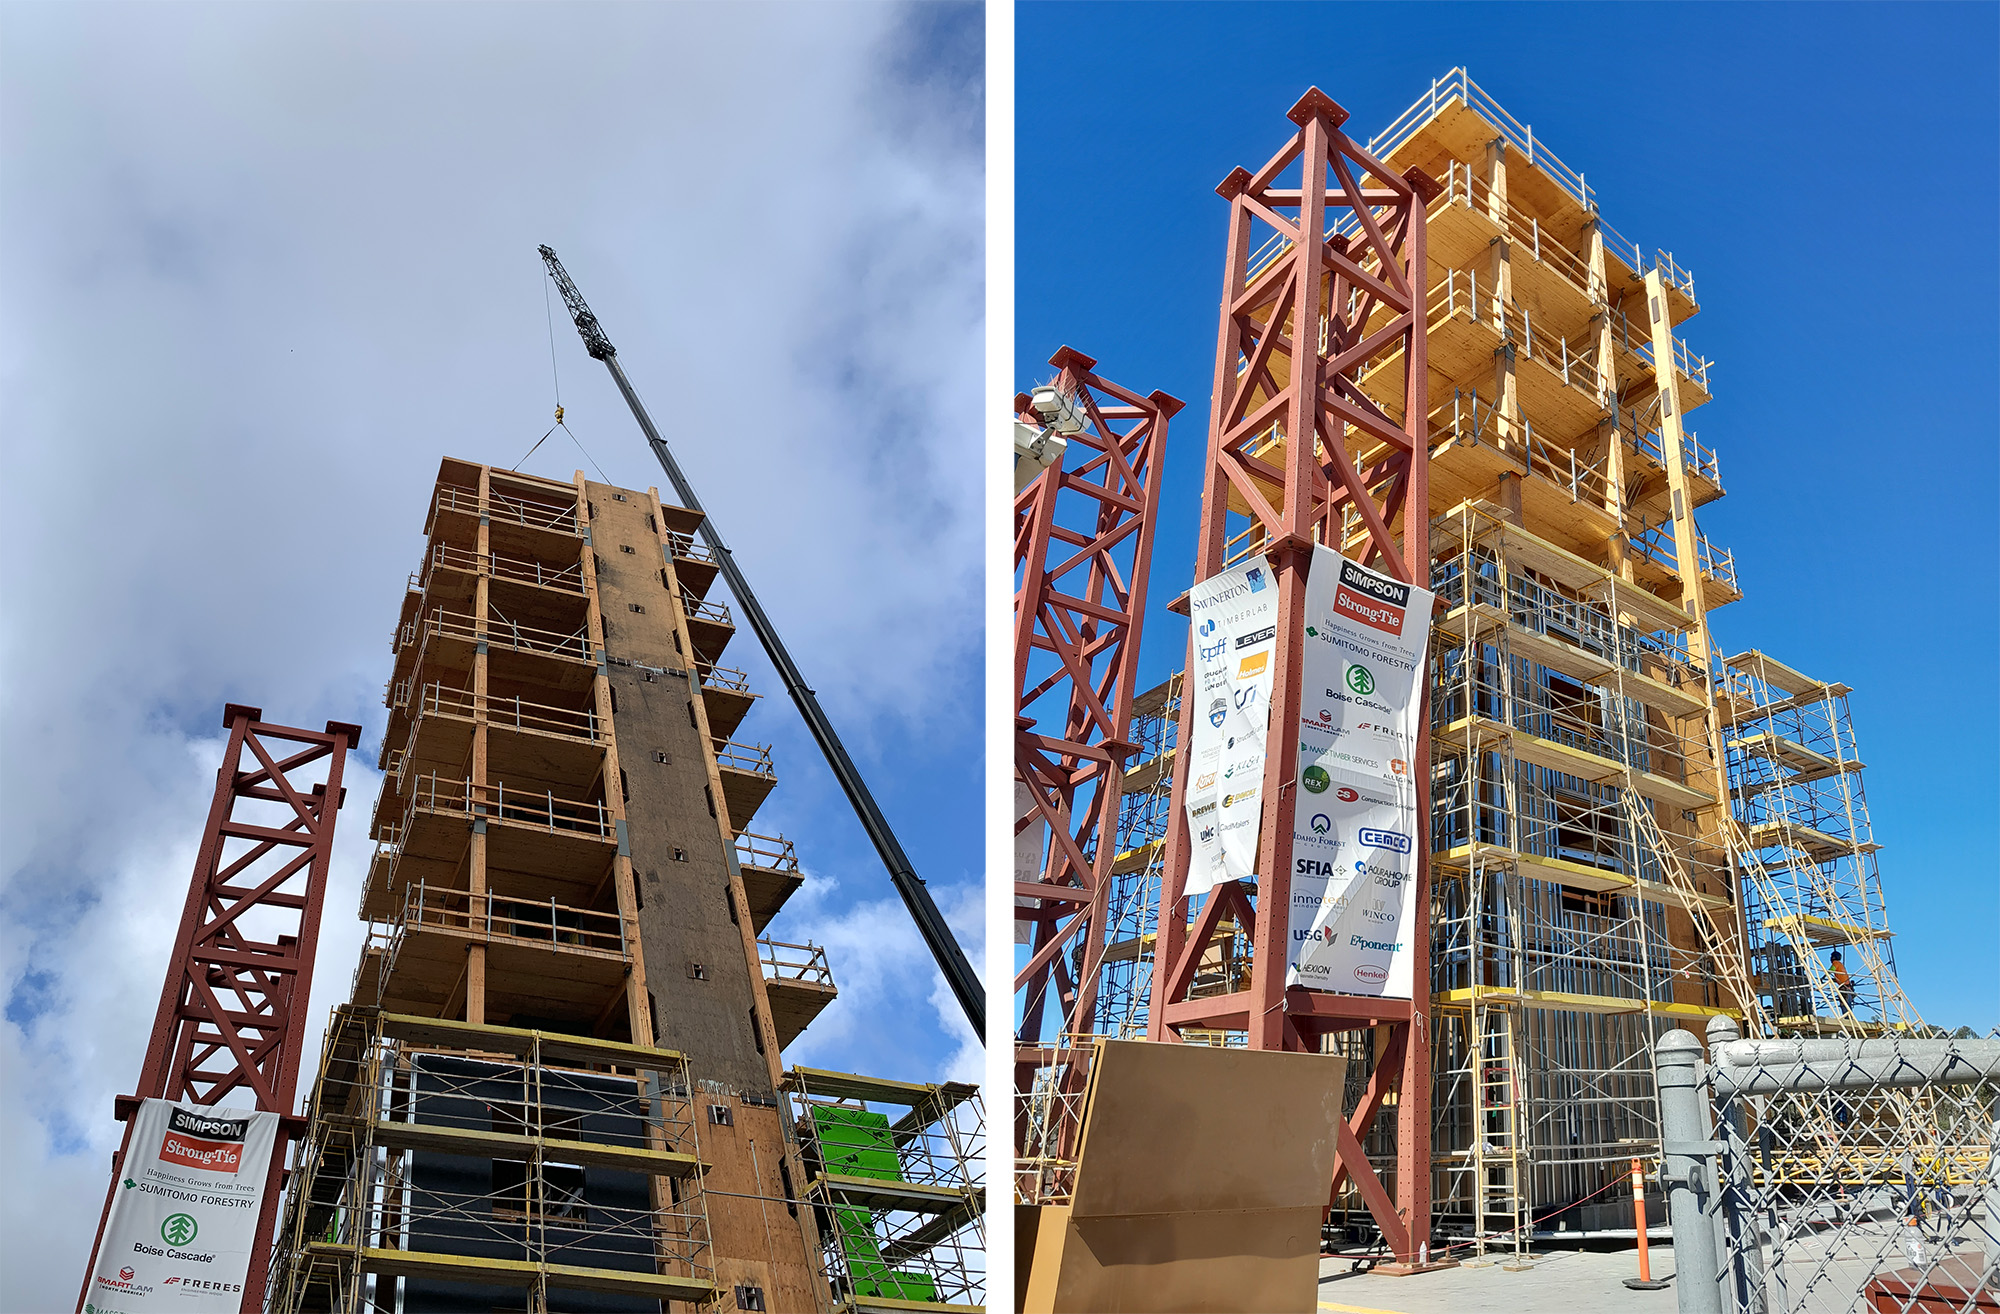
x: 518, y: 1273
x: 1565, y: 1002
x: 887, y: 1305
x: 1816, y: 845
x: 1494, y: 736
x: 500, y: 1145
x: 1825, y: 930
x: 1573, y: 875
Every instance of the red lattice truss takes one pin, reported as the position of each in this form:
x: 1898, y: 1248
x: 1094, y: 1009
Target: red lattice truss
x: 1299, y: 451
x: 1083, y: 545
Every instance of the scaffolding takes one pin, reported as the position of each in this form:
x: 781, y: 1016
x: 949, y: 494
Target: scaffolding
x: 1132, y: 908
x: 1809, y: 853
x: 459, y: 1153
x: 897, y: 1185
x: 1570, y: 726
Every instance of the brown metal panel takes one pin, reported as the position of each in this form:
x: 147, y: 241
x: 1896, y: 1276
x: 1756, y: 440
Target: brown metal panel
x: 1230, y: 1222
x: 1194, y: 1097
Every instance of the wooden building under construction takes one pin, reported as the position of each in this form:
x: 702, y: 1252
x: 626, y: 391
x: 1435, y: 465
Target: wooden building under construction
x: 560, y: 1082
x: 1631, y: 829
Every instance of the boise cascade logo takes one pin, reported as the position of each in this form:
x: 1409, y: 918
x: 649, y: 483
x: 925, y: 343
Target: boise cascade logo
x: 1315, y: 779
x: 179, y: 1229
x: 1359, y: 679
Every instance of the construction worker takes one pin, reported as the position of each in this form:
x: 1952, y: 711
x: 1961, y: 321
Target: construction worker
x: 1843, y: 983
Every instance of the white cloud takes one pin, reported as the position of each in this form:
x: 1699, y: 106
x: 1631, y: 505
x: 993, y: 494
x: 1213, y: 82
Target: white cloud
x: 271, y: 263
x: 887, y: 982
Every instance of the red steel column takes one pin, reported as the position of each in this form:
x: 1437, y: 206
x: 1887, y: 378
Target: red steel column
x: 232, y: 1011
x: 1073, y: 527
x: 1295, y: 338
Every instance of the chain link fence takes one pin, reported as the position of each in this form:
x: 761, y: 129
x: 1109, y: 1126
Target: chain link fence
x: 1823, y: 1176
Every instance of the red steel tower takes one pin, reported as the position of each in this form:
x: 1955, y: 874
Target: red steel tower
x: 1083, y: 547
x: 233, y: 1009
x: 1299, y: 454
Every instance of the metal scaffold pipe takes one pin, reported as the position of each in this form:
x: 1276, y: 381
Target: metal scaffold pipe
x: 937, y: 934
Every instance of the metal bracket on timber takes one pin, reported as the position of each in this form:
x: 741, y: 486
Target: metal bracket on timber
x: 1299, y: 453
x: 232, y: 1013
x: 1083, y: 548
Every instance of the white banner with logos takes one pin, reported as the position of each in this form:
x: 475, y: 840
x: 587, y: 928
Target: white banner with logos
x: 1235, y: 616
x: 183, y: 1223
x: 1354, y: 842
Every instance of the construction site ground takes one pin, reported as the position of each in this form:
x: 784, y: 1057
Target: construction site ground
x: 1554, y: 1279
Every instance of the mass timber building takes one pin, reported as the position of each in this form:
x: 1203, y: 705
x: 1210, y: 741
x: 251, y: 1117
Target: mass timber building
x: 560, y: 1082
x: 1632, y: 828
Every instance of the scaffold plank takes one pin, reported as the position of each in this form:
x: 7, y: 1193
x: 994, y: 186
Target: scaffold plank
x: 1566, y: 1002
x: 1561, y: 871
x: 521, y: 1042
x: 1826, y: 930
x: 476, y: 1144
x: 908, y: 1197
x: 1814, y: 844
x: 519, y: 1273
x: 1488, y: 734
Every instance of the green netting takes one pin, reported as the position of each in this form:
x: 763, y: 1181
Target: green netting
x: 857, y: 1143
x: 898, y: 1286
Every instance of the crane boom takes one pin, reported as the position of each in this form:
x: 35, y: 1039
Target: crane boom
x: 944, y: 946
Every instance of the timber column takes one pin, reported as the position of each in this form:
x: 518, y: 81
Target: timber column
x: 476, y: 883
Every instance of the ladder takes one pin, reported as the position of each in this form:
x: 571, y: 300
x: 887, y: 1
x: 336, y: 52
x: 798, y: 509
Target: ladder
x: 1502, y: 1178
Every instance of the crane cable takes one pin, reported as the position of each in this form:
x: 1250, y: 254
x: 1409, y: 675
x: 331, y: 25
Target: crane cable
x: 556, y: 376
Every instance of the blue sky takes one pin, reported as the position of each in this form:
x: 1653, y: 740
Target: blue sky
x: 273, y: 262
x: 1827, y: 173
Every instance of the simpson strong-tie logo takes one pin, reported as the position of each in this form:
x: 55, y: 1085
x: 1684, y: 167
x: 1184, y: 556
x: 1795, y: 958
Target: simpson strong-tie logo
x: 194, y: 1141
x: 179, y: 1229
x: 1359, y: 679
x: 1370, y: 600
